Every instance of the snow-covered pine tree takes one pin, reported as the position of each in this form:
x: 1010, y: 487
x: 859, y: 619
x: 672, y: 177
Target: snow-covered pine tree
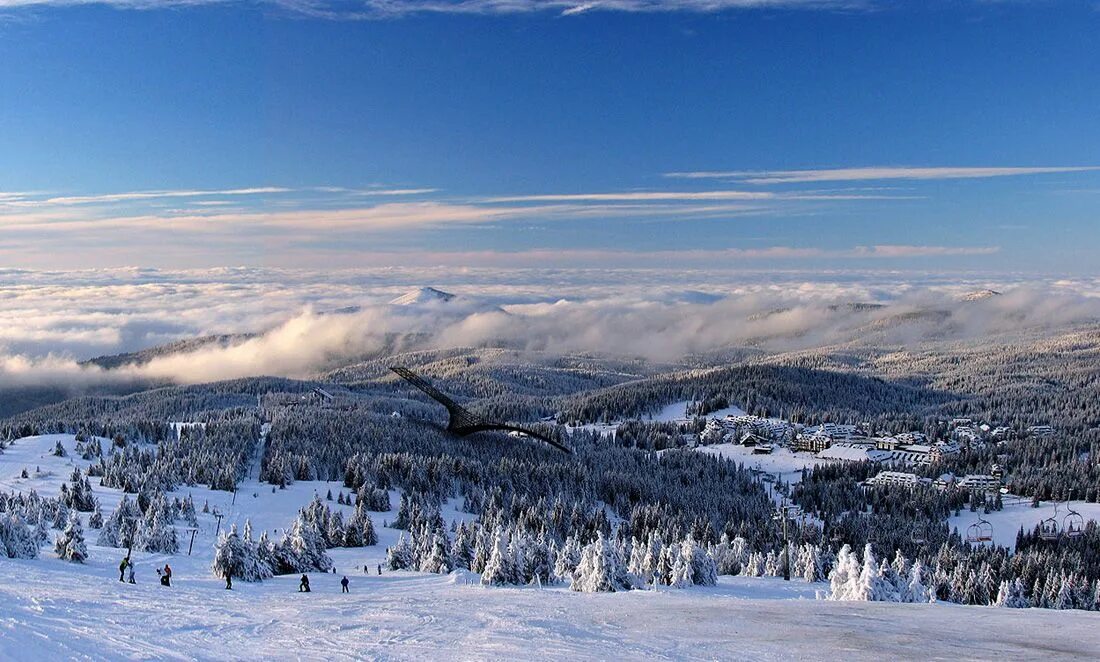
x: 501, y: 566
x: 569, y: 557
x: 304, y: 546
x: 238, y: 558
x: 70, y: 544
x: 681, y: 567
x: 916, y: 590
x: 597, y: 571
x: 18, y: 539
x: 400, y: 555
x: 156, y: 533
x: 334, y: 534
x: 439, y: 558
x: 539, y: 562
x: 703, y: 570
x: 844, y: 575
x: 462, y: 549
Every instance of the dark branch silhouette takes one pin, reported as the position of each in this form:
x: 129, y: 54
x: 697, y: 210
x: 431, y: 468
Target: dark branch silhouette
x: 461, y: 421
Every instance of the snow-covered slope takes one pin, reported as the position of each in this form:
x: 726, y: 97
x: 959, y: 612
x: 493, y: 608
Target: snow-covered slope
x: 51, y: 609
x: 421, y: 296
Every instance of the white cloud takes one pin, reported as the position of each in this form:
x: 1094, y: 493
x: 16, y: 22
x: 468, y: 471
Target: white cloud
x: 373, y: 9
x: 872, y: 173
x: 60, y: 316
x: 153, y: 195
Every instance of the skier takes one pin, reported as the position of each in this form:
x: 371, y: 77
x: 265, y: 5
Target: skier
x: 130, y: 567
x: 379, y: 569
x: 303, y: 586
x: 122, y: 569
x: 344, y: 585
x: 228, y: 581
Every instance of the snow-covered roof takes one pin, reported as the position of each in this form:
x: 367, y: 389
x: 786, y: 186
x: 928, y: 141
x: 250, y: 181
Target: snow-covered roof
x: 851, y: 454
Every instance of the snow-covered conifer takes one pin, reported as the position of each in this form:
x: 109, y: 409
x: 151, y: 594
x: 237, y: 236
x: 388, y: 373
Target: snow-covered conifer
x: 70, y: 544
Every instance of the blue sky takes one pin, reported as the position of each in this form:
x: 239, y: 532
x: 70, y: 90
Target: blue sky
x: 671, y: 133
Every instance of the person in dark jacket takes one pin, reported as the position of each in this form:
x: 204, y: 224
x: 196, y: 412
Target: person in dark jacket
x: 303, y: 586
x: 344, y: 585
x: 228, y: 581
x: 122, y: 569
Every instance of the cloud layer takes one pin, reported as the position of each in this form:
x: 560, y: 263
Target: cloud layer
x: 58, y: 317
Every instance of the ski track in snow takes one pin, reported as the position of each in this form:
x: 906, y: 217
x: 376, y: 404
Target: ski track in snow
x: 51, y: 609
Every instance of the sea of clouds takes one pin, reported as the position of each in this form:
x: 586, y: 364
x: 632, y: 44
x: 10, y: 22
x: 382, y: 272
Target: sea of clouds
x: 303, y: 322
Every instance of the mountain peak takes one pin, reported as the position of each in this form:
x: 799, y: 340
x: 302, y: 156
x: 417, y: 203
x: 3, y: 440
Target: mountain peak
x: 978, y: 295
x: 422, y: 295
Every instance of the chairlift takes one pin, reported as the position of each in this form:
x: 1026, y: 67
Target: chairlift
x: 1049, y: 529
x: 979, y: 532
x: 1073, y: 524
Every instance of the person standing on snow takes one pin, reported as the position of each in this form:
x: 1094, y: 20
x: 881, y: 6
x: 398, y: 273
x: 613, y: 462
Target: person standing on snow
x: 228, y: 581
x: 303, y: 586
x: 130, y: 567
x: 122, y: 569
x: 344, y: 585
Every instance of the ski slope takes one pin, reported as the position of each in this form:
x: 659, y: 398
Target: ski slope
x: 51, y: 609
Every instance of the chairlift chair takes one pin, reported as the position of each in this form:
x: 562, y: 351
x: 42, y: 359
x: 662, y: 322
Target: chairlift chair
x: 979, y: 532
x: 1049, y: 529
x: 1073, y: 525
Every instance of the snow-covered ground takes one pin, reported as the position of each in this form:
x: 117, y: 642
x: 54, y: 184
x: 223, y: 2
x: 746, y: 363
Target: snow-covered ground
x: 1018, y: 512
x: 673, y: 413
x: 677, y: 412
x: 51, y: 609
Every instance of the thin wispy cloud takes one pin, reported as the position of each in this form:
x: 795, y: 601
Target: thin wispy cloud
x: 32, y: 200
x: 378, y: 192
x: 669, y: 196
x: 339, y: 225
x: 871, y: 174
x: 379, y: 9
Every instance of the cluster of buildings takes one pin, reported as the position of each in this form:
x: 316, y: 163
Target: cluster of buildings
x: 991, y: 482
x: 852, y: 443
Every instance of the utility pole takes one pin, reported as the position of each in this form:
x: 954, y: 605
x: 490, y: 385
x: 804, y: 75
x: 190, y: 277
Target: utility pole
x: 192, y: 543
x: 219, y: 530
